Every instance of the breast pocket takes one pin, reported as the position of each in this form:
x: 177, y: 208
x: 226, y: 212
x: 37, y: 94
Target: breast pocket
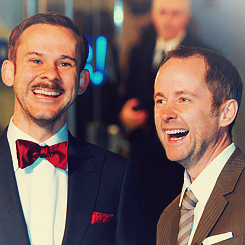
x: 101, y: 229
x: 237, y: 240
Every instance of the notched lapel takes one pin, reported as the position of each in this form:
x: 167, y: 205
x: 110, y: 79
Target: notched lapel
x: 83, y: 184
x: 217, y: 202
x: 175, y: 226
x: 214, y: 208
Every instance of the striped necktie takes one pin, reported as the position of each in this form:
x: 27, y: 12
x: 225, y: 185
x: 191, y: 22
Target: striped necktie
x: 186, y: 217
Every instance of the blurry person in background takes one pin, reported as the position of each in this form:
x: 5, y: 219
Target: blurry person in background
x: 169, y: 29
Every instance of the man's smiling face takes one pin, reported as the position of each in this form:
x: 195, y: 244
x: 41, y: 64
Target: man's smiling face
x: 46, y: 79
x: 186, y: 123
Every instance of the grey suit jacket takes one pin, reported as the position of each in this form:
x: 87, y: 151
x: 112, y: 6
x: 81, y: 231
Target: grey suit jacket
x: 224, y: 211
x: 98, y: 181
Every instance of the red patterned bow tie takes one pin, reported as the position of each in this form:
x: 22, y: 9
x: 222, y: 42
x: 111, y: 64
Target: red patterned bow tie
x: 28, y: 152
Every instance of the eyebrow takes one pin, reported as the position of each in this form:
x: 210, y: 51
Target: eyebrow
x: 185, y: 92
x: 33, y: 53
x: 158, y: 94
x: 42, y: 55
x: 68, y: 57
x: 178, y: 93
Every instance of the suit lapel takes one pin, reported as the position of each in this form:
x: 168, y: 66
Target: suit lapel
x: 212, y: 212
x: 83, y: 184
x: 12, y: 219
x: 175, y: 225
x: 217, y: 202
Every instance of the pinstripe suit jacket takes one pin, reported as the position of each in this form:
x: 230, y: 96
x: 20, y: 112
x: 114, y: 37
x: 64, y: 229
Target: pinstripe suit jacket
x: 224, y: 211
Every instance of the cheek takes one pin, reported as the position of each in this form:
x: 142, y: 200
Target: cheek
x: 182, y: 22
x: 69, y: 80
x: 157, y: 117
x: 158, y: 121
x: 177, y: 24
x: 24, y: 74
x: 206, y: 127
x: 73, y: 89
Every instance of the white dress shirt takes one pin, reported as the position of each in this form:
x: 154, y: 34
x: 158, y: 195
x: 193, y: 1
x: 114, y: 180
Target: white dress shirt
x: 203, y: 185
x: 43, y: 191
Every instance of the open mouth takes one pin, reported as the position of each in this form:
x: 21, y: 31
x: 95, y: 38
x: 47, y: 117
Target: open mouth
x: 177, y: 134
x: 44, y: 93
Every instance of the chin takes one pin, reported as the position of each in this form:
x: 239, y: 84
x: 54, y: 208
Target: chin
x: 45, y: 120
x: 172, y: 156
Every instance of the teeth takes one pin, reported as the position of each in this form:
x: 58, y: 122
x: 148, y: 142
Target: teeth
x: 46, y: 93
x: 176, y: 131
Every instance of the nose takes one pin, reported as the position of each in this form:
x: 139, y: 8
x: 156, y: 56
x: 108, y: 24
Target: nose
x: 50, y: 72
x: 168, y: 17
x: 168, y: 113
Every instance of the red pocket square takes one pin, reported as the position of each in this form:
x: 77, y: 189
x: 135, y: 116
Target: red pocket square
x: 98, y: 217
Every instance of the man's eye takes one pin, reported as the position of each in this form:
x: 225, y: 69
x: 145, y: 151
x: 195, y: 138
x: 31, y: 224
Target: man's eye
x: 162, y: 12
x: 160, y: 102
x: 184, y: 99
x: 36, y: 61
x: 65, y: 64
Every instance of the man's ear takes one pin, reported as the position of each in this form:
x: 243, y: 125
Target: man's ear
x: 7, y: 72
x: 84, y: 81
x: 228, y: 112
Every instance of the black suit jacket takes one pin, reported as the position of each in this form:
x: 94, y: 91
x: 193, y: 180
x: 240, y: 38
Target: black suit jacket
x: 224, y: 211
x: 98, y: 181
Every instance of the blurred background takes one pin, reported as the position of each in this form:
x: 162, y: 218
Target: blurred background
x: 113, y: 28
x: 220, y: 23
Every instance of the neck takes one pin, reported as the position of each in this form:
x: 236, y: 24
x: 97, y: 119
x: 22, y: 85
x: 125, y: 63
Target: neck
x: 40, y: 132
x: 168, y: 38
x: 196, y: 168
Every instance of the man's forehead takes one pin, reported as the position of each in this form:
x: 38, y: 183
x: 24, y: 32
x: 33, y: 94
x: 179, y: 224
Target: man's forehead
x: 41, y: 30
x: 34, y: 39
x: 193, y: 66
x: 44, y: 28
x: 183, y: 4
x: 196, y: 59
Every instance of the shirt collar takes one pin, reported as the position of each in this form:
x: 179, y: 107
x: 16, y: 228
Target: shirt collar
x: 166, y: 46
x: 205, y: 182
x: 15, y: 133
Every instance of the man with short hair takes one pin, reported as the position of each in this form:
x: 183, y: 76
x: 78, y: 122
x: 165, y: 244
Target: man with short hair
x: 168, y: 30
x: 197, y: 97
x: 54, y: 188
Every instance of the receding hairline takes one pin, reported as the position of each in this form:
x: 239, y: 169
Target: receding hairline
x: 199, y: 57
x: 194, y: 56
